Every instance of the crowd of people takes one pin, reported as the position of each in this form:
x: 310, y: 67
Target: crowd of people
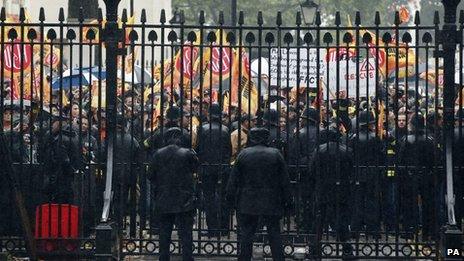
x: 361, y: 164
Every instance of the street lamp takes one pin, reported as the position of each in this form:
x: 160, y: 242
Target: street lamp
x: 309, y: 9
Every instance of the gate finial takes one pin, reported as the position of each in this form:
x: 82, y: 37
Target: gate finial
x: 143, y: 16
x: 201, y: 17
x: 61, y: 15
x: 436, y: 18
x: 357, y: 19
x: 3, y: 14
x: 260, y: 18
x: 397, y: 18
x: 417, y: 18
x: 163, y: 16
x: 22, y: 15
x: 221, y: 18
x: 377, y: 18
x: 279, y: 19
x: 241, y: 18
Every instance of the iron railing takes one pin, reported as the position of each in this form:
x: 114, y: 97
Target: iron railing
x: 54, y: 82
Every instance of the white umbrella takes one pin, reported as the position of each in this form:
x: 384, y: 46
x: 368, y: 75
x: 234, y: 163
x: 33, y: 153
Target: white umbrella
x: 135, y: 75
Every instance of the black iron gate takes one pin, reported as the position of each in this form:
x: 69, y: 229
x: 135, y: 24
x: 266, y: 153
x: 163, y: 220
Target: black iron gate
x: 64, y: 112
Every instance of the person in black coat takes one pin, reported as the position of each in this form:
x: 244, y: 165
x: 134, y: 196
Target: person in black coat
x: 304, y: 140
x: 214, y: 151
x: 260, y: 186
x: 301, y: 148
x: 127, y: 165
x: 14, y: 147
x: 331, y: 167
x: 171, y: 175
x: 156, y: 141
x: 62, y: 160
x: 368, y: 156
x: 418, y: 178
x: 277, y: 134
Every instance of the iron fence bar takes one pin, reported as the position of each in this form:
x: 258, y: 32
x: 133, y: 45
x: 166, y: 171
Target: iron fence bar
x: 181, y: 82
x: 201, y: 22
x: 239, y: 80
x: 106, y: 238
x: 120, y: 213
x: 143, y: 180
x: 132, y: 176
x: 162, y: 61
x: 452, y: 234
x: 317, y: 226
x: 358, y: 175
x: 279, y: 72
x: 221, y: 176
x: 297, y: 194
x: 378, y: 133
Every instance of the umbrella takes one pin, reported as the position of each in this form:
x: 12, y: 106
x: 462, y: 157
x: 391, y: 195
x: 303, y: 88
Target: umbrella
x: 135, y: 76
x: 75, y: 78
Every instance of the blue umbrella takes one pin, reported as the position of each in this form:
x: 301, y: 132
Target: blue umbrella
x: 75, y: 78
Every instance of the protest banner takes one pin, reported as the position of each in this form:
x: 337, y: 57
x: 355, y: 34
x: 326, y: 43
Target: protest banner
x: 288, y: 75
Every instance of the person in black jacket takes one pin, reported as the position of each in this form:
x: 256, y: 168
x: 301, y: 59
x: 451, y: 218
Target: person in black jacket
x: 260, y: 185
x: 171, y: 176
x: 331, y: 166
x: 277, y: 134
x: 301, y: 149
x: 214, y: 151
x: 127, y: 164
x: 368, y: 155
x: 156, y: 141
x: 304, y: 141
x: 418, y: 178
x: 62, y: 160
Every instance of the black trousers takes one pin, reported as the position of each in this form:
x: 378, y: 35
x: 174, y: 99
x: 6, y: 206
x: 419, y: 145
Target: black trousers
x: 366, y: 209
x: 248, y: 225
x: 209, y: 179
x: 214, y: 204
x: 184, y: 224
x: 409, y: 203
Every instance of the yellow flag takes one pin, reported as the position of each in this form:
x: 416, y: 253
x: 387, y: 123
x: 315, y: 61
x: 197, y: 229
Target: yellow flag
x: 189, y: 62
x: 96, y: 93
x: 381, y: 119
x: 241, y: 82
x: 217, y: 63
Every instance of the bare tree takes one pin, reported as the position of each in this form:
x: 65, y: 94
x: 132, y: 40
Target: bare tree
x: 90, y: 8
